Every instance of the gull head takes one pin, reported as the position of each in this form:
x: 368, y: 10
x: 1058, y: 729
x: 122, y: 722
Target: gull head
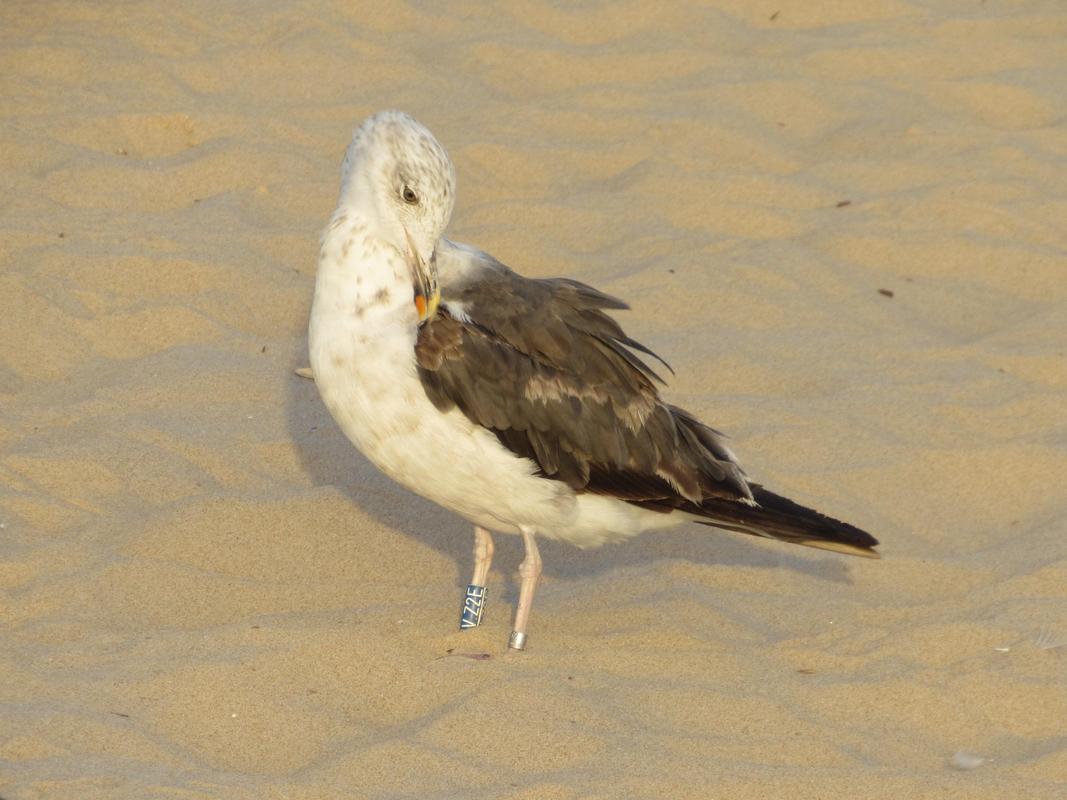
x: 400, y: 179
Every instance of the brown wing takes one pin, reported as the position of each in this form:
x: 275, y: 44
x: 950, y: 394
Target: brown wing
x: 540, y: 364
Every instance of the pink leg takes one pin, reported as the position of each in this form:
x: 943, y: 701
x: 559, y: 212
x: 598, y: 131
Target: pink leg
x: 474, y: 602
x: 483, y: 555
x: 530, y: 572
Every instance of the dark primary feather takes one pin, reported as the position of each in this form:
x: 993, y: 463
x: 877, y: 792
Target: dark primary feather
x: 541, y: 365
x: 780, y: 518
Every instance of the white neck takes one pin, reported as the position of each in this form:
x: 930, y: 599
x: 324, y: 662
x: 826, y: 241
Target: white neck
x: 363, y: 275
x: 363, y: 296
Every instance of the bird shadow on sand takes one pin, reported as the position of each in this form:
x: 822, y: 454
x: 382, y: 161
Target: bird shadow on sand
x: 331, y: 460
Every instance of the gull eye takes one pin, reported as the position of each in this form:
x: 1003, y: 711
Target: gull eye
x: 409, y: 196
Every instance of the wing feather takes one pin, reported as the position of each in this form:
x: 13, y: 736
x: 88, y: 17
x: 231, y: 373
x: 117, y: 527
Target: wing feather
x: 541, y: 365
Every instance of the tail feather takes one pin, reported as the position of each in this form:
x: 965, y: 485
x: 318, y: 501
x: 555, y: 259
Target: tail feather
x: 777, y: 517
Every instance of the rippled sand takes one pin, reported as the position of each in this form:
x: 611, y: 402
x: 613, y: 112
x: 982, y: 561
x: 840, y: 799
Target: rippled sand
x: 841, y: 222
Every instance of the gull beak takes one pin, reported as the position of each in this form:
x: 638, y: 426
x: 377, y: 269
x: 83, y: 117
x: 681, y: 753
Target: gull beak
x: 424, y: 280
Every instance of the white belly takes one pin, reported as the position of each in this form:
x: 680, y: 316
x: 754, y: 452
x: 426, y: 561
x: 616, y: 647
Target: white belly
x: 373, y: 391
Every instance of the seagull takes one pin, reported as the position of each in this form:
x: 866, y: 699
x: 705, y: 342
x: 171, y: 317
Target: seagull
x: 518, y: 403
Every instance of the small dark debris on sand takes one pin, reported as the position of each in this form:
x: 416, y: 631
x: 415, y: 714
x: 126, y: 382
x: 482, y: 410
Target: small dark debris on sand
x: 450, y: 653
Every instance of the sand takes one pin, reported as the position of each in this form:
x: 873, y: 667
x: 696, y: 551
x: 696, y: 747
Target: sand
x: 842, y: 223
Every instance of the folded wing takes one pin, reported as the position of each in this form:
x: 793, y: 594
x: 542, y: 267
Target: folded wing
x: 541, y: 365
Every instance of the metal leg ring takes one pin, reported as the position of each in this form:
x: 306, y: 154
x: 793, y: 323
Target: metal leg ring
x: 517, y: 641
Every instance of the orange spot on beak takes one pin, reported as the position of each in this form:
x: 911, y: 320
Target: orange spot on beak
x: 420, y: 306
